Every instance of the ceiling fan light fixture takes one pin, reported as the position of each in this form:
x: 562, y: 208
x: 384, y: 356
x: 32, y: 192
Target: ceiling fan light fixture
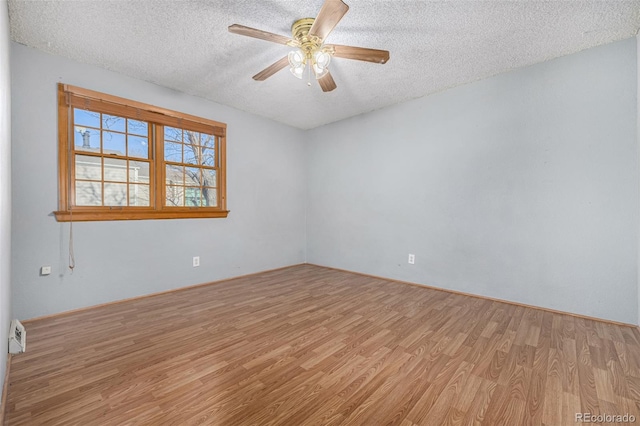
x: 321, y: 62
x: 298, y: 72
x: 297, y: 62
x: 296, y: 58
x: 319, y: 72
x: 321, y: 58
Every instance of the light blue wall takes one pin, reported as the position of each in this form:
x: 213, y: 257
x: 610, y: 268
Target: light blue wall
x: 5, y: 187
x: 522, y: 187
x: 122, y: 259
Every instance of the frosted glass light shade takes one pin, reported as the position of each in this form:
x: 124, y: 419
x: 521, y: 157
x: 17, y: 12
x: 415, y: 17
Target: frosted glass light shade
x: 297, y: 62
x: 322, y: 59
x: 321, y: 62
x: 298, y: 72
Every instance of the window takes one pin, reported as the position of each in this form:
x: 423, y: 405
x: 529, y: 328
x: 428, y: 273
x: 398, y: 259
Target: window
x: 120, y: 159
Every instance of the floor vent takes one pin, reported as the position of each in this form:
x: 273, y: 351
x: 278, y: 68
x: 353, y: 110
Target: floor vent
x: 17, y: 337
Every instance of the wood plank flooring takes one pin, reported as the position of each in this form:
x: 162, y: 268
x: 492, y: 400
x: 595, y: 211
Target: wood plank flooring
x: 313, y: 346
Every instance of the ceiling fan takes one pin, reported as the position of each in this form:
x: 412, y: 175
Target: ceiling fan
x: 308, y: 36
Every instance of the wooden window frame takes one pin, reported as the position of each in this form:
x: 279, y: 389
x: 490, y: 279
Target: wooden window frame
x: 70, y: 97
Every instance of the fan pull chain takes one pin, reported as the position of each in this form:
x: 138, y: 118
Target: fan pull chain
x: 309, y: 76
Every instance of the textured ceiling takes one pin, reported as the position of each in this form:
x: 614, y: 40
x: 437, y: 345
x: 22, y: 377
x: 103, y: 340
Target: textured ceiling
x: 434, y: 45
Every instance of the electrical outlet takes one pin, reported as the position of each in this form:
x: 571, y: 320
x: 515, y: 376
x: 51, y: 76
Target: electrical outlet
x: 412, y: 259
x: 45, y: 270
x: 196, y: 261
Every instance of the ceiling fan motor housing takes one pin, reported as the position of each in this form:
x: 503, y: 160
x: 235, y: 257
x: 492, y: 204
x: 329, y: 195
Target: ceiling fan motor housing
x: 300, y: 32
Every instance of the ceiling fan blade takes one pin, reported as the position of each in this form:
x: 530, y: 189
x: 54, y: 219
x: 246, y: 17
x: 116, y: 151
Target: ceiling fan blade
x: 326, y: 83
x: 262, y: 35
x: 360, y: 53
x: 271, y: 69
x: 330, y: 14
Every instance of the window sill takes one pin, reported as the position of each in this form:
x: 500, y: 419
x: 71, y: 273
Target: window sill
x: 104, y: 215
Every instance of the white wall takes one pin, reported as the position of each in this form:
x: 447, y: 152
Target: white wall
x: 121, y: 259
x: 523, y: 187
x: 5, y: 187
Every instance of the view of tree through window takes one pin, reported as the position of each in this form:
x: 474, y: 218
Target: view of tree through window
x: 190, y: 159
x: 121, y: 159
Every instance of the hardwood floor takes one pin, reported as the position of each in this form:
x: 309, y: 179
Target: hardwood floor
x: 313, y: 346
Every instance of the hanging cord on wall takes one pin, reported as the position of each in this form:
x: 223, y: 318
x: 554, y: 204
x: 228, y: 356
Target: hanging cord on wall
x: 72, y: 257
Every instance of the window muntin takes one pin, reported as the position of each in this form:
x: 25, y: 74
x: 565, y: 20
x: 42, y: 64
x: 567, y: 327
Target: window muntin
x: 120, y: 159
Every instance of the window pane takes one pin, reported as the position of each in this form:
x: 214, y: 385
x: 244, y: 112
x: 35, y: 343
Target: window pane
x: 113, y: 122
x: 174, y: 195
x: 138, y: 147
x: 86, y: 118
x: 139, y: 195
x: 113, y: 143
x: 87, y: 139
x: 209, y: 177
x: 191, y: 154
x: 88, y: 193
x: 173, y: 152
x: 139, y: 171
x: 207, y: 140
x: 172, y: 134
x: 208, y: 157
x: 115, y: 194
x: 209, y: 197
x: 191, y: 137
x: 115, y: 170
x: 89, y: 168
x: 192, y: 176
x: 138, y: 127
x: 192, y: 197
x: 174, y: 175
